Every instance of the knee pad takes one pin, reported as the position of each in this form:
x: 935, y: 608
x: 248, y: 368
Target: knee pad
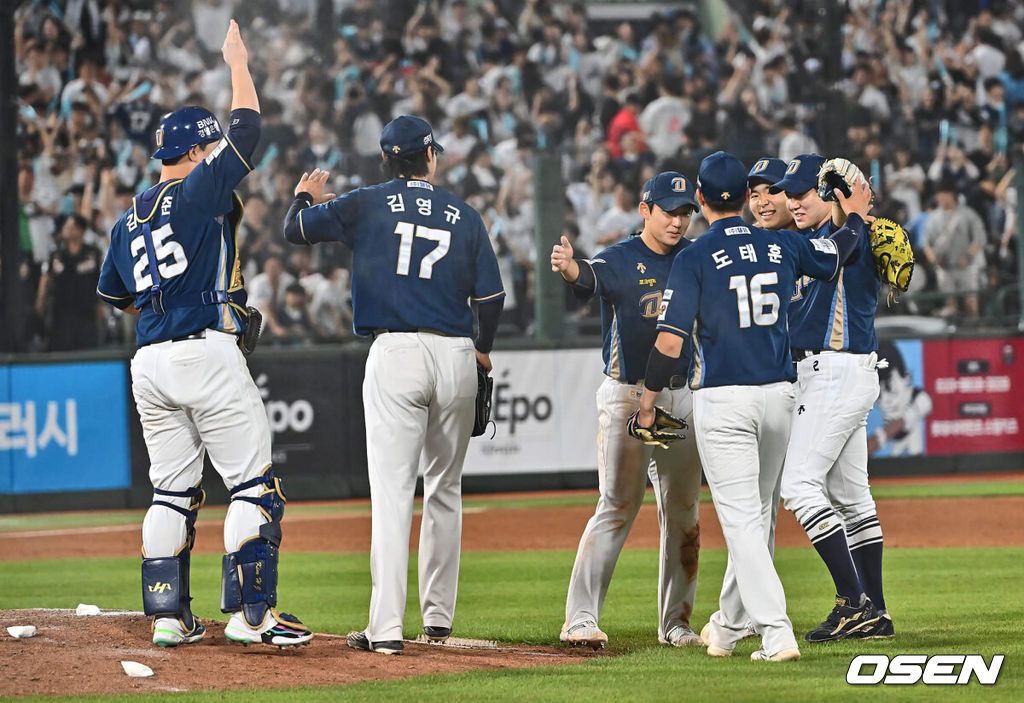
x: 249, y: 576
x: 165, y: 580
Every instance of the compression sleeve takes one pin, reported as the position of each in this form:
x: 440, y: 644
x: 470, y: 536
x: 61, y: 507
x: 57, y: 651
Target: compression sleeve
x: 488, y: 313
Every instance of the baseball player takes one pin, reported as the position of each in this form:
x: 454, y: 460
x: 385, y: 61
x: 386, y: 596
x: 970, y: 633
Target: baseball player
x: 630, y: 277
x: 770, y: 212
x: 728, y: 293
x: 832, y: 326
x: 419, y: 254
x: 174, y: 260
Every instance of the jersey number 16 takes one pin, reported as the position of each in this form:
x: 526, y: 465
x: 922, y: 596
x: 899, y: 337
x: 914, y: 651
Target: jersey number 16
x: 754, y: 298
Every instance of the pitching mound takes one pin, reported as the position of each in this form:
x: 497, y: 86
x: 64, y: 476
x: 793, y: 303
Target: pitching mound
x: 82, y: 655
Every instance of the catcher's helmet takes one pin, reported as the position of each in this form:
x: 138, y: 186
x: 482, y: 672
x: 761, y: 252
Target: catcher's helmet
x: 183, y: 129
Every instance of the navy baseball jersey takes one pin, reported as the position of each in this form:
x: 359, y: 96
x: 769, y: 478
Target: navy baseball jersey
x: 423, y: 255
x: 630, y: 281
x: 730, y: 289
x: 190, y: 226
x: 837, y: 315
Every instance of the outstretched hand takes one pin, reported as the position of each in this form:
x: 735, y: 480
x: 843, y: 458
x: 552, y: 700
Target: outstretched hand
x: 859, y: 201
x: 314, y: 183
x: 233, y: 50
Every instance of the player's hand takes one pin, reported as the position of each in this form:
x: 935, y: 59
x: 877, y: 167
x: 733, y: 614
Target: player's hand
x: 484, y: 360
x: 313, y: 183
x: 561, y: 256
x: 859, y: 201
x: 233, y: 50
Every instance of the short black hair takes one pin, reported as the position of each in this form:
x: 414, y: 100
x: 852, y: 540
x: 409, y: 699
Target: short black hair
x: 181, y: 157
x: 724, y: 206
x: 405, y: 165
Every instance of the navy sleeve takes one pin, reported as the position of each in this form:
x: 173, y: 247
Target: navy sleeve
x: 333, y: 221
x: 292, y: 232
x: 817, y: 258
x: 681, y: 300
x: 488, y: 284
x: 606, y: 270
x: 488, y: 314
x: 208, y: 188
x: 110, y: 288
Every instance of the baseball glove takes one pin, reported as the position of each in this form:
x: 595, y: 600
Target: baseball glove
x: 838, y: 174
x: 657, y: 434
x: 484, y: 391
x: 893, y: 255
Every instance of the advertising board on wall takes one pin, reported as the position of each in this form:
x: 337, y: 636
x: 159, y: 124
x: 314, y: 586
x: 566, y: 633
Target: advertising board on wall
x: 949, y: 396
x: 63, y: 428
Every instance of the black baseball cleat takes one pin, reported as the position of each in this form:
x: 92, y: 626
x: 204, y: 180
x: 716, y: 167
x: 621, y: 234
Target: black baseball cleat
x: 436, y: 633
x: 844, y: 621
x: 881, y: 629
x: 359, y: 640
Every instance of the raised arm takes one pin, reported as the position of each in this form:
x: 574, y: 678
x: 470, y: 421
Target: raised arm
x: 243, y: 91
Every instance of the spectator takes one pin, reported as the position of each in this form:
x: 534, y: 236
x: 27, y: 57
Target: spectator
x: 625, y: 121
x: 954, y: 240
x: 267, y: 292
x: 67, y: 290
x: 794, y: 141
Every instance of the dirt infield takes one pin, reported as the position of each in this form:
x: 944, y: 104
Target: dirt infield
x: 66, y: 657
x: 913, y: 522
x: 91, y: 654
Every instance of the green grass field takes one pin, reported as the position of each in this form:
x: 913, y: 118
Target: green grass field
x: 958, y: 601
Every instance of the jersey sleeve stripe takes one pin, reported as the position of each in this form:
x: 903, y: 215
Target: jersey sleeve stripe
x: 302, y: 229
x: 488, y: 297
x: 240, y: 157
x: 113, y: 297
x: 674, y: 330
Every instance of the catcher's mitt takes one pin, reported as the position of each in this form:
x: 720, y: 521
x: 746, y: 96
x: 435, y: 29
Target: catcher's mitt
x: 838, y: 174
x: 894, y: 257
x: 657, y: 433
x: 484, y: 391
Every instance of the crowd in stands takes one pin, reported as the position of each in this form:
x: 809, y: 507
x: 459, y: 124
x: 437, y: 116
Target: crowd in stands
x: 931, y: 94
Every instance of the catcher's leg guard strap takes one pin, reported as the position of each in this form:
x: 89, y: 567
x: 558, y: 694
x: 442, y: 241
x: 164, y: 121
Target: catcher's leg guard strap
x: 250, y: 574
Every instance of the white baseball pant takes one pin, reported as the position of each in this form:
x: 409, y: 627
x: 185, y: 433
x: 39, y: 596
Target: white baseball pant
x: 827, y: 457
x: 624, y: 465
x: 742, y: 433
x: 419, y: 395
x: 197, y: 396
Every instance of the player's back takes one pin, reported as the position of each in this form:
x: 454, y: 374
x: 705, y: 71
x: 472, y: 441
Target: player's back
x: 838, y: 315
x: 741, y: 278
x: 419, y: 256
x: 195, y: 253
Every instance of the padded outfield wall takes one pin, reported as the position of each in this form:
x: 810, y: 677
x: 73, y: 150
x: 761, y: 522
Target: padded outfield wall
x: 70, y: 437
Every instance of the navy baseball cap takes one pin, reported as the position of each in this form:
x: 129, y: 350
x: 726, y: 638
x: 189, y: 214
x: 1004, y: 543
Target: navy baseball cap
x: 722, y: 178
x: 801, y: 174
x: 766, y: 171
x: 669, y: 190
x: 406, y: 135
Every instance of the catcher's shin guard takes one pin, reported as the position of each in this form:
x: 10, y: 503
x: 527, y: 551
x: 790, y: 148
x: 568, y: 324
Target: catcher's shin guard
x: 165, y: 580
x: 249, y: 582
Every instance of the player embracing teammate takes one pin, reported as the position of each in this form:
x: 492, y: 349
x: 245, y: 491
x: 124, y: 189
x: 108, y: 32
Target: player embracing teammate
x: 741, y: 376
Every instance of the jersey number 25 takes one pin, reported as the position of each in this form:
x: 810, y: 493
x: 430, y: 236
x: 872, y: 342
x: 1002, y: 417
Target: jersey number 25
x: 164, y: 249
x: 753, y: 298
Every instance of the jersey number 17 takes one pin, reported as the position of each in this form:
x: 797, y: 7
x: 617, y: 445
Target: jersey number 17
x: 409, y: 232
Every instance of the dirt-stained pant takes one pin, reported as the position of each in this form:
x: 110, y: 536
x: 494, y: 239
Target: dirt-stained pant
x: 624, y: 465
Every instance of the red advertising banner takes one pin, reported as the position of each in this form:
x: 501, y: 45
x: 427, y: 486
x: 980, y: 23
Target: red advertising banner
x: 977, y: 391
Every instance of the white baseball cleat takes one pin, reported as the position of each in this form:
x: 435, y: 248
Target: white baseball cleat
x: 713, y: 649
x: 585, y: 633
x: 682, y: 636
x: 170, y: 632
x: 277, y: 629
x: 786, y: 655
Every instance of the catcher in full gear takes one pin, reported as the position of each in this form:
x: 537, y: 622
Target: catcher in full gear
x: 173, y: 259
